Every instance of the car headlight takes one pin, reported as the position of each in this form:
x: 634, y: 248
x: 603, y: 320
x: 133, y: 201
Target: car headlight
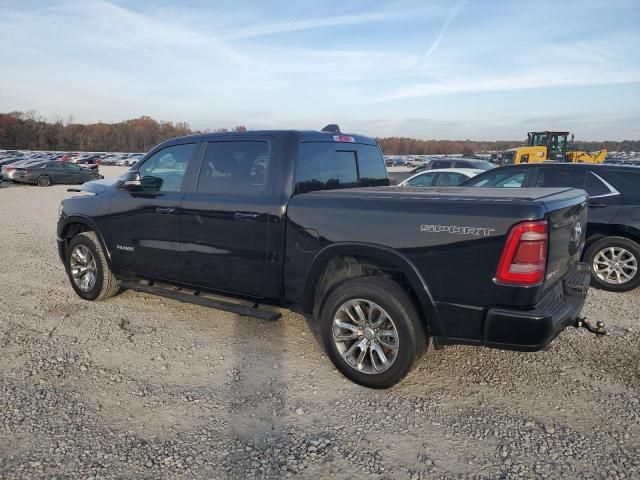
x: 60, y: 210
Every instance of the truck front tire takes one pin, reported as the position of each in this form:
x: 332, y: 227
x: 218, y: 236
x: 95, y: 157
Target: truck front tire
x: 372, y: 331
x: 88, y: 269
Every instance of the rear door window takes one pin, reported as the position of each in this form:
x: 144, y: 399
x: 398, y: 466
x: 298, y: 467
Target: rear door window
x: 450, y: 179
x: 234, y: 167
x: 562, y: 177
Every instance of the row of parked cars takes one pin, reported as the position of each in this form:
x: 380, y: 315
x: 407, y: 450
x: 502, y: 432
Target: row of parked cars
x: 46, y: 168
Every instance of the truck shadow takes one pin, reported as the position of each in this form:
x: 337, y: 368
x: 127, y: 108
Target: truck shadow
x: 257, y: 402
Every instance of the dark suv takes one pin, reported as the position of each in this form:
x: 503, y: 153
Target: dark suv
x: 613, y: 230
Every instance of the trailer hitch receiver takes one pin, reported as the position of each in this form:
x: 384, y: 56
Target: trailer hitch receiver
x: 599, y: 330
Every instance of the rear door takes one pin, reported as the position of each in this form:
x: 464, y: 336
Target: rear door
x: 225, y: 217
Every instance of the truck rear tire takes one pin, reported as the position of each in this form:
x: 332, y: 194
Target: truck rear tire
x: 614, y: 264
x: 372, y: 331
x: 88, y: 270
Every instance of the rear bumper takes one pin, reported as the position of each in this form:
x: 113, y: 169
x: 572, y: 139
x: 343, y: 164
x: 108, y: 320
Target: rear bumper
x: 517, y: 329
x: 531, y: 330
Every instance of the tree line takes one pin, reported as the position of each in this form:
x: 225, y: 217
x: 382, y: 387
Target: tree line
x: 30, y: 131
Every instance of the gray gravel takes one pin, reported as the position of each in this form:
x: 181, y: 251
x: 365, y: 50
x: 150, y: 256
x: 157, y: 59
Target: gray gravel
x: 144, y: 387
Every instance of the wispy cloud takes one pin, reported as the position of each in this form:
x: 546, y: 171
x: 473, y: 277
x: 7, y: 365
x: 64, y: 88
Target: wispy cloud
x: 453, y: 13
x: 313, y: 23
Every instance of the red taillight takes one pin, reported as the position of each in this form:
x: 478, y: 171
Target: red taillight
x: 10, y: 169
x: 524, y: 257
x: 344, y: 138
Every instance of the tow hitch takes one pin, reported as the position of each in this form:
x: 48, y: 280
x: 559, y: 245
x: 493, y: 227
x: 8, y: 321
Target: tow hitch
x: 598, y: 329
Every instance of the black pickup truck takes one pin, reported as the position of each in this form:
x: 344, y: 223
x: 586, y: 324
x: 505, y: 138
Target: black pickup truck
x: 308, y: 219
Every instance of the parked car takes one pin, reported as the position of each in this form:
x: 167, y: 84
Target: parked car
x: 8, y: 170
x: 613, y: 230
x: 445, y: 177
x: 444, y: 162
x: 49, y: 173
x: 278, y: 215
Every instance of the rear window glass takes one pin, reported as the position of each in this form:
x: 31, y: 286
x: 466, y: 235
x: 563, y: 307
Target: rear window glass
x: 371, y: 167
x: 327, y: 166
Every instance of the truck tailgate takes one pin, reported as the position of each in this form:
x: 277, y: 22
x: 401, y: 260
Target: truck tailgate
x: 567, y: 232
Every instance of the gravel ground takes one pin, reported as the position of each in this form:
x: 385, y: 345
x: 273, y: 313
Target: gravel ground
x: 143, y: 387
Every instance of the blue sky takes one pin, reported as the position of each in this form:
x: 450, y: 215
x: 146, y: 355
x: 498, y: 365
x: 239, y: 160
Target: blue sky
x: 428, y: 69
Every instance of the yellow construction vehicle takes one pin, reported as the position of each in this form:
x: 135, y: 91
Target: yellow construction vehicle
x: 549, y: 146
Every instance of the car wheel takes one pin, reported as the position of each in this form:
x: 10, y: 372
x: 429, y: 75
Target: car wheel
x: 614, y: 263
x: 44, y: 181
x: 372, y: 331
x: 88, y: 270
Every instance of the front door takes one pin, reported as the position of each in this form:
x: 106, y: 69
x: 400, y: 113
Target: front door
x: 225, y: 219
x: 144, y: 225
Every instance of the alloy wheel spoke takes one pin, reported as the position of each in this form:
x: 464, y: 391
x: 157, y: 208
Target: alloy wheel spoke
x: 361, y: 316
x: 376, y: 351
x: 388, y: 339
x: 338, y: 333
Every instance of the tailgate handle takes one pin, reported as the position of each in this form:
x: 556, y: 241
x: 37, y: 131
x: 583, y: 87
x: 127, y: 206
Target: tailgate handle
x: 165, y: 210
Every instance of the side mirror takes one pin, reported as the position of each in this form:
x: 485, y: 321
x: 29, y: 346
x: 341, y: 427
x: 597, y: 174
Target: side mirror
x: 131, y: 181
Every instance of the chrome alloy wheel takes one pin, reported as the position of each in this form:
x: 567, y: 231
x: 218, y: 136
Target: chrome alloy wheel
x: 615, y: 265
x: 83, y: 268
x: 365, y: 336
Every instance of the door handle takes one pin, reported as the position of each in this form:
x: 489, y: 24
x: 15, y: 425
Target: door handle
x: 597, y: 205
x: 246, y: 216
x: 165, y: 210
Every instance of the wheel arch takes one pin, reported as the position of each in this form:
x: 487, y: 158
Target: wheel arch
x: 598, y: 231
x: 76, y: 224
x: 367, y: 255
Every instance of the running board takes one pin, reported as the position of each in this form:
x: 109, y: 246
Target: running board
x: 197, y: 299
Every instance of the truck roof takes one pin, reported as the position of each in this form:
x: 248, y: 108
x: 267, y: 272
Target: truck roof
x: 302, y: 135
